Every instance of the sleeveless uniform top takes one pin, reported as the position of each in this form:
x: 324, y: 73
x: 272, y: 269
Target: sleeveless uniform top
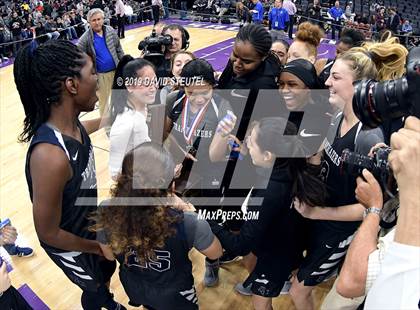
x: 340, y: 185
x: 194, y: 133
x: 80, y: 192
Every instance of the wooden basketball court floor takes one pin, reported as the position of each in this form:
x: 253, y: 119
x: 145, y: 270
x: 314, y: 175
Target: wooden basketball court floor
x: 47, y: 280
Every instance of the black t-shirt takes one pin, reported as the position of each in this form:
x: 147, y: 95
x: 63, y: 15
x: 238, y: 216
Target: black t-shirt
x: 16, y: 26
x: 248, y: 97
x: 325, y: 73
x: 80, y: 192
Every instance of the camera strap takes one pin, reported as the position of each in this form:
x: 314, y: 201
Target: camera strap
x: 359, y: 127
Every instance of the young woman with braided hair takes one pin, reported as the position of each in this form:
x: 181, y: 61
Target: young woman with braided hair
x: 56, y: 81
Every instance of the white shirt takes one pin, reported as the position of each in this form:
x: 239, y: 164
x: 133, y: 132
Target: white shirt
x: 128, y: 10
x: 119, y: 8
x: 128, y: 131
x: 398, y: 284
x: 376, y: 259
x: 290, y: 7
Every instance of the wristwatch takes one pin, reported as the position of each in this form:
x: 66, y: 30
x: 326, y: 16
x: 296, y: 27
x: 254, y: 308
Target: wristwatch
x: 372, y: 210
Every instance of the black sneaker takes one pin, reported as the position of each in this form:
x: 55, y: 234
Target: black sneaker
x: 113, y: 305
x: 21, y: 252
x: 227, y: 258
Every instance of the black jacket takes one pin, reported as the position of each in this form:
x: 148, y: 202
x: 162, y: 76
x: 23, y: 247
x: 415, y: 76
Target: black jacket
x: 264, y: 77
x: 277, y: 237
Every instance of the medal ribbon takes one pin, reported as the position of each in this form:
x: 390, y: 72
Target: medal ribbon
x: 197, y: 119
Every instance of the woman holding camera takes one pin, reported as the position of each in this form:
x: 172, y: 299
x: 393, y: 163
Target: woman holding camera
x: 335, y: 225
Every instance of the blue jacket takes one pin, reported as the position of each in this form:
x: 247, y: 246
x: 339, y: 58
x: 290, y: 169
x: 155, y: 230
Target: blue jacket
x: 258, y: 17
x: 336, y: 13
x: 278, y: 18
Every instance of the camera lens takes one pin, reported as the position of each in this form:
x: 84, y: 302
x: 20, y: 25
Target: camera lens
x: 374, y: 102
x: 363, y: 103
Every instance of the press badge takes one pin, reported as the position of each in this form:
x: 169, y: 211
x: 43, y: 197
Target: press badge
x: 276, y: 24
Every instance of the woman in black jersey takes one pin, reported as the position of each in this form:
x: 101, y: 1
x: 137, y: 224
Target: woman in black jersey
x: 277, y: 236
x: 251, y: 69
x: 192, y: 117
x: 334, y: 226
x: 56, y: 81
x: 150, y: 239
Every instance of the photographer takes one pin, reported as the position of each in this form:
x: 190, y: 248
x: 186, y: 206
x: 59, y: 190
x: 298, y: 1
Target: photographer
x: 180, y: 41
x: 397, y: 286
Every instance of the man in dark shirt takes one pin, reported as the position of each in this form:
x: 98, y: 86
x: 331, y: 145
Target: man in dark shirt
x: 15, y: 26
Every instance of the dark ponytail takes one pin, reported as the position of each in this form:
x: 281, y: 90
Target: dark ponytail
x: 278, y: 136
x: 127, y: 68
x: 39, y: 72
x: 307, y: 185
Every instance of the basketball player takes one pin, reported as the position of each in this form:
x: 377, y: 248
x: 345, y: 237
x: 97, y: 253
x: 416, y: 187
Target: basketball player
x: 151, y: 240
x: 56, y: 81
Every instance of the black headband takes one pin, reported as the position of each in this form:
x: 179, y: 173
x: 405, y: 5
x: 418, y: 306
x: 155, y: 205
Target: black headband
x: 305, y: 71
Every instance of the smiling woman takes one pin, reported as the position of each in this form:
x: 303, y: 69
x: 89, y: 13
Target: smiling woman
x: 251, y: 66
x: 135, y: 86
x: 60, y: 166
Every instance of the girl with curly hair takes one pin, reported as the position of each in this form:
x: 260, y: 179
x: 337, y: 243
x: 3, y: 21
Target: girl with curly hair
x: 150, y: 239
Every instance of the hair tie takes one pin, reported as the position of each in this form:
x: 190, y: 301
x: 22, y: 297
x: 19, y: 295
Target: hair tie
x: 370, y: 55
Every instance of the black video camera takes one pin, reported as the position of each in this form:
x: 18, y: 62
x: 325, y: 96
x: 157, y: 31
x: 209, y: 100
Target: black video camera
x: 374, y: 102
x: 353, y: 163
x: 154, y: 47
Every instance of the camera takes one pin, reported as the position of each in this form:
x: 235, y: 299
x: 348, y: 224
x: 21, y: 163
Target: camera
x: 354, y: 163
x: 375, y: 102
x: 154, y: 47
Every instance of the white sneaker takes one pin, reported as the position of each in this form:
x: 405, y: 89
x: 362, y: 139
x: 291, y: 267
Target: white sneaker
x: 241, y: 289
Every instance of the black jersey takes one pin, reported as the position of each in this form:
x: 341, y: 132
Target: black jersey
x: 340, y: 185
x: 171, y: 264
x: 325, y: 73
x: 194, y: 133
x: 166, y: 281
x: 80, y: 192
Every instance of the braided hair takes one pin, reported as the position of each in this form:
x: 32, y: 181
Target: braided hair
x: 259, y: 38
x: 39, y: 72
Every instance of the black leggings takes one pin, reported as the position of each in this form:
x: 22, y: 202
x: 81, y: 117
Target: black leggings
x: 121, y: 26
x: 102, y: 297
x: 156, y: 13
